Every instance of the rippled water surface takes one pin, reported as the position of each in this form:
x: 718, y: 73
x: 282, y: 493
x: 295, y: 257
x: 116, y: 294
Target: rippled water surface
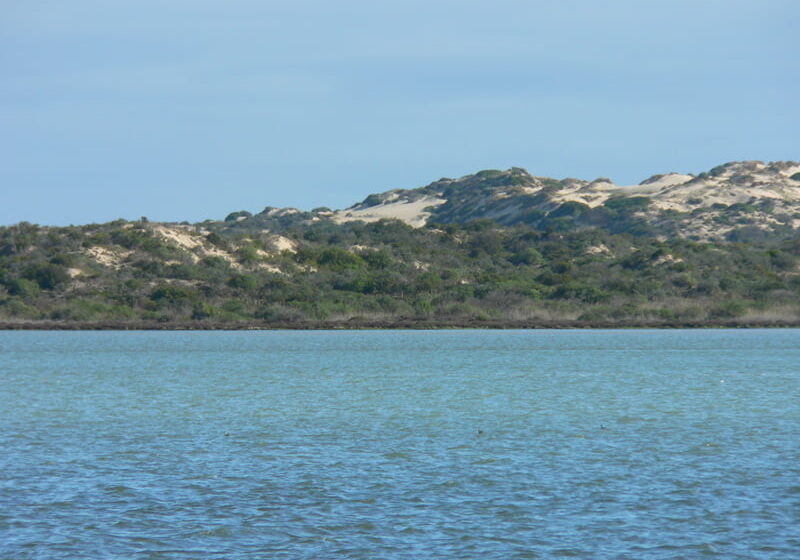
x: 400, y: 444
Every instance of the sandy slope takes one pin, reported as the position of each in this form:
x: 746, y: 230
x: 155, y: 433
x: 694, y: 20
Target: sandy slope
x: 745, y: 182
x: 414, y: 213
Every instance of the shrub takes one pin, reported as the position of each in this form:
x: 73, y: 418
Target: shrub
x: 629, y: 203
x: 488, y: 242
x: 235, y: 216
x: 379, y: 260
x: 247, y: 255
x: 175, y: 296
x: 17, y: 308
x: 217, y: 240
x: 48, y: 276
x: 244, y: 282
x: 527, y: 256
x: 234, y: 306
x: 339, y: 259
x: 583, y: 292
x: 81, y: 310
x: 22, y: 287
x: 202, y: 310
x: 595, y: 314
x: 428, y: 282
x: 63, y: 259
x: 278, y: 313
x: 727, y: 310
x: 214, y: 262
x: 306, y: 255
x: 569, y: 208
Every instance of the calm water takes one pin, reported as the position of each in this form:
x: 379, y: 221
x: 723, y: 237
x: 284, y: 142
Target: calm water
x: 454, y: 444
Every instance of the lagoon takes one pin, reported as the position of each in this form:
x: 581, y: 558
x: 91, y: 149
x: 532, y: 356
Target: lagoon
x: 400, y: 444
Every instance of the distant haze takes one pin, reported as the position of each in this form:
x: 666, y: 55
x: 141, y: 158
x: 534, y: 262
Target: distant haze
x: 188, y: 110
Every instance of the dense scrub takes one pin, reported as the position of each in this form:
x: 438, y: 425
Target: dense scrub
x: 388, y: 272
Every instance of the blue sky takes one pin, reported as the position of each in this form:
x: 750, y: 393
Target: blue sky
x: 187, y: 110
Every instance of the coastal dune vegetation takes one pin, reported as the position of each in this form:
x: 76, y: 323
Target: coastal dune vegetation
x: 140, y: 274
x: 496, y: 248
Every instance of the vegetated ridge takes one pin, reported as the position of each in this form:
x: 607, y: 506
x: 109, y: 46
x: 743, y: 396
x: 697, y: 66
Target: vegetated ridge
x: 496, y: 248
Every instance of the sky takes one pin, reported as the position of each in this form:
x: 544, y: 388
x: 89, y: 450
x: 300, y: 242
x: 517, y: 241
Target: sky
x: 190, y: 109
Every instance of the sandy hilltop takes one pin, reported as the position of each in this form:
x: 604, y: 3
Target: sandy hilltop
x: 495, y: 248
x: 709, y: 205
x: 737, y: 201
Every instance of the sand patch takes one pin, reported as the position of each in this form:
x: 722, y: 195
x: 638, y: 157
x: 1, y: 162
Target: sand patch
x: 107, y: 257
x: 600, y: 249
x: 411, y: 212
x: 281, y: 243
x: 180, y: 236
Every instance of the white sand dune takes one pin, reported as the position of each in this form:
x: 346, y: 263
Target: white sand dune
x: 411, y: 212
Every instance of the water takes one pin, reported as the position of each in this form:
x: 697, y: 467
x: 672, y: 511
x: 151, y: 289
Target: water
x: 400, y: 444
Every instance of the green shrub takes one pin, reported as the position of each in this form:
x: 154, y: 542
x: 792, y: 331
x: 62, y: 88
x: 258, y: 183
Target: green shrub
x: 175, y: 296
x: 202, y: 310
x: 377, y: 259
x: 48, y: 276
x: 339, y: 259
x: 214, y: 263
x: 527, y: 256
x: 244, y: 282
x: 235, y: 216
x: 22, y: 287
x: 18, y: 308
x: 217, y: 240
x: 278, y: 313
x: 594, y: 314
x: 569, y: 208
x: 583, y: 292
x: 247, y: 255
x: 82, y: 310
x: 63, y: 259
x: 234, y: 306
x: 727, y: 310
x: 628, y: 203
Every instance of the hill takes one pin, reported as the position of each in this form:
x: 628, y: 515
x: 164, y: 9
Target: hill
x: 496, y: 248
x: 737, y: 201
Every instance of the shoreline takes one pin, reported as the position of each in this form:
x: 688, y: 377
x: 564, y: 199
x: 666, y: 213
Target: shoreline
x: 400, y: 324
